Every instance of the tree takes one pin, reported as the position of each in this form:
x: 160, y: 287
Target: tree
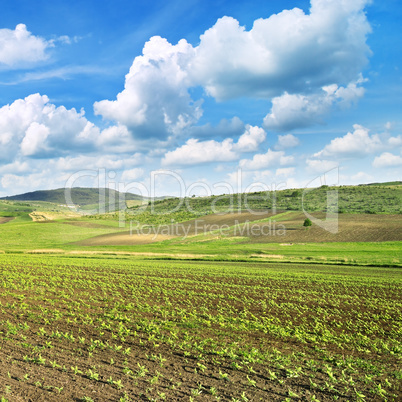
x: 307, y: 223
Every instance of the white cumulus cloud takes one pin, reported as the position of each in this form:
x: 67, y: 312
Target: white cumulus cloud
x: 285, y: 172
x: 20, y: 46
x: 353, y: 144
x: 320, y: 166
x: 155, y: 101
x: 290, y: 51
x: 305, y: 63
x: 395, y: 141
x: 250, y: 140
x: 267, y: 160
x: 132, y: 174
x: 291, y: 111
x: 195, y: 152
x: 35, y: 138
x: 34, y: 126
x: 287, y: 141
x: 386, y: 160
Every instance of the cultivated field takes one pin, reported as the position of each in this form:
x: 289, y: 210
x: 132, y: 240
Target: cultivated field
x: 192, y: 305
x: 266, y: 227
x: 118, y: 328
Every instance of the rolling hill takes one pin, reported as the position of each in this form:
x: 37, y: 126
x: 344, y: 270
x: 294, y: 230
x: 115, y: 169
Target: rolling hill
x: 375, y: 198
x: 79, y: 195
x: 381, y: 199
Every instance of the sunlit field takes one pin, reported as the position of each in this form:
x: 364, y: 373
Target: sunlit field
x: 121, y: 328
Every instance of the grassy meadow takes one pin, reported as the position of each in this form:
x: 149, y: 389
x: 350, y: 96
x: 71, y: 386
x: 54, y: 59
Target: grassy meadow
x: 245, y: 304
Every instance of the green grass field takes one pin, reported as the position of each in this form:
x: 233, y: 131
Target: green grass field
x: 23, y: 235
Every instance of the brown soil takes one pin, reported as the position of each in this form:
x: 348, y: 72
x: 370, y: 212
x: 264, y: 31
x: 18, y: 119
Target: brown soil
x: 351, y: 228
x: 177, y: 378
x: 47, y: 216
x: 92, y: 225
x: 45, y: 383
x: 193, y: 227
x: 125, y: 239
x: 46, y: 251
x: 65, y: 311
x: 6, y: 219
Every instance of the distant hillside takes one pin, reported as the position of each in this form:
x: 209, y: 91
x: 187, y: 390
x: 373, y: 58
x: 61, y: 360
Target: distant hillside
x: 375, y: 198
x: 383, y: 198
x: 389, y: 183
x: 80, y: 196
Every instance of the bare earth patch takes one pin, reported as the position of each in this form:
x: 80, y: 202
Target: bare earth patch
x: 6, y: 219
x: 45, y: 216
x: 46, y: 251
x: 286, y: 230
x: 275, y: 256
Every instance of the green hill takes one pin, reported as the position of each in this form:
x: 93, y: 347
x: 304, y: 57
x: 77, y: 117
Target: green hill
x: 82, y: 197
x: 362, y: 199
x: 390, y: 183
x: 375, y: 198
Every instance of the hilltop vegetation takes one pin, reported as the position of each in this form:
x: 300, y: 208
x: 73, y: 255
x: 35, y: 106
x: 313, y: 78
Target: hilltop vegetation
x: 366, y: 199
x: 376, y: 198
x: 88, y: 197
x: 14, y: 209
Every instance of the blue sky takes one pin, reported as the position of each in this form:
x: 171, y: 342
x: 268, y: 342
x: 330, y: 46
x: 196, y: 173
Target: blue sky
x: 246, y: 93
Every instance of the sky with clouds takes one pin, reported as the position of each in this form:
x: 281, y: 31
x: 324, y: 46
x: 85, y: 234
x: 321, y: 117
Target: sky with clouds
x: 201, y: 95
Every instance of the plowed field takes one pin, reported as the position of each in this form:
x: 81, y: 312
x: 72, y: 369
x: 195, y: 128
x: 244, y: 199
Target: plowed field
x: 114, y: 328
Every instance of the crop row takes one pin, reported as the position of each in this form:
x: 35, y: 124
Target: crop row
x: 125, y: 328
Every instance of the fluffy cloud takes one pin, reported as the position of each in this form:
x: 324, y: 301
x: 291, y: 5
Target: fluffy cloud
x: 287, y: 141
x: 250, y: 140
x: 386, y: 160
x: 262, y: 180
x: 36, y: 128
x: 291, y: 111
x: 132, y: 174
x: 306, y: 62
x: 17, y: 184
x: 155, y: 101
x: 358, y: 143
x: 195, y: 152
x: 119, y: 140
x: 225, y: 128
x: 84, y: 171
x: 285, y: 172
x: 290, y: 51
x: 395, y: 141
x: 319, y: 166
x: 20, y: 46
x: 267, y: 160
x: 70, y: 164
x: 360, y: 178
x: 34, y: 140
